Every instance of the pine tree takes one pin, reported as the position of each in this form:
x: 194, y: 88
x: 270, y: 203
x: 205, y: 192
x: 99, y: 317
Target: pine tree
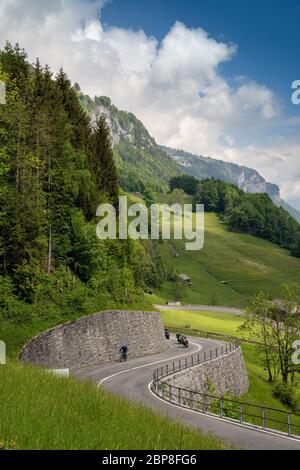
x: 102, y: 161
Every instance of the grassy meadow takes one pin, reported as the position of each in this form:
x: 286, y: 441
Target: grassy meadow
x: 231, y: 267
x: 42, y: 412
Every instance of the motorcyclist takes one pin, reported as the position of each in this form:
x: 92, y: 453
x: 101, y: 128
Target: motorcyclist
x: 124, y: 353
x: 167, y: 334
x: 178, y: 336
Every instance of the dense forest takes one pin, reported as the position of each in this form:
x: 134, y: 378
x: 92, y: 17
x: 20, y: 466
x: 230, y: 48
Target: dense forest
x: 55, y: 169
x: 254, y: 214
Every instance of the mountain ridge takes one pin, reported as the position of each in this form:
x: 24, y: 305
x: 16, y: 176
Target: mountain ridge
x: 141, y: 162
x: 247, y: 179
x: 144, y: 164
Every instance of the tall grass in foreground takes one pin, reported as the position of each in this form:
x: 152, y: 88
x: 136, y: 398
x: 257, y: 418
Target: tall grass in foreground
x: 41, y: 411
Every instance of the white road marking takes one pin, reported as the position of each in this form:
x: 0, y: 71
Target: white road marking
x: 198, y: 348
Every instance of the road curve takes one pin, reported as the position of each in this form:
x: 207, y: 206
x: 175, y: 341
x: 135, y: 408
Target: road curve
x: 198, y: 308
x: 132, y: 379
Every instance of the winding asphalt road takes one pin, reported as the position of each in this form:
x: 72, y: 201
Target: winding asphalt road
x: 132, y: 379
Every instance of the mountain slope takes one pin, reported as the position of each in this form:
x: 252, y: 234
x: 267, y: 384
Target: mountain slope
x: 245, y: 178
x: 140, y: 161
x: 230, y: 269
x: 293, y: 212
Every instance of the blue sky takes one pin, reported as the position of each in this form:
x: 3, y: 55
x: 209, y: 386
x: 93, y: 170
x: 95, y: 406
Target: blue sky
x: 267, y: 33
x: 210, y: 76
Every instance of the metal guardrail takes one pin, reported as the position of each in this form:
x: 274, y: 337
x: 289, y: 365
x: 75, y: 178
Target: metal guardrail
x: 200, y: 333
x: 255, y: 416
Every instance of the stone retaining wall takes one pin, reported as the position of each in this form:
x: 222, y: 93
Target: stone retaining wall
x: 227, y: 374
x: 95, y: 339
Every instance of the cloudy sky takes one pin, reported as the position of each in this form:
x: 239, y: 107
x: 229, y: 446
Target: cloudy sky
x: 205, y: 76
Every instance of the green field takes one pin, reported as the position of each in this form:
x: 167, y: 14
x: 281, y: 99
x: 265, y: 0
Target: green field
x: 40, y: 411
x: 231, y: 268
x: 214, y: 322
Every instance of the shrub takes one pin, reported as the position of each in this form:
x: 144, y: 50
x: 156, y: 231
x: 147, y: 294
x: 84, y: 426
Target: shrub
x: 286, y: 394
x: 6, y: 292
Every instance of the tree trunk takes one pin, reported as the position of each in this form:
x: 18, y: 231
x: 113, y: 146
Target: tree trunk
x: 49, y: 260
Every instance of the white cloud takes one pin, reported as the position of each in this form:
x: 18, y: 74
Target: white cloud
x: 175, y: 86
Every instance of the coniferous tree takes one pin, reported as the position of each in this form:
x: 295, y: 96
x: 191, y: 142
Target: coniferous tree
x: 102, y: 161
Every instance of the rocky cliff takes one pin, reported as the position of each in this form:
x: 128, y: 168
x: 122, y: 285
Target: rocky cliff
x: 247, y: 179
x: 143, y: 164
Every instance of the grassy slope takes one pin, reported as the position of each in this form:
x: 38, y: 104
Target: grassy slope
x: 247, y: 264
x: 206, y: 321
x: 40, y: 411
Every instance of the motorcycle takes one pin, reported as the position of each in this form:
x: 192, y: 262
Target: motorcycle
x: 123, y: 354
x: 123, y: 357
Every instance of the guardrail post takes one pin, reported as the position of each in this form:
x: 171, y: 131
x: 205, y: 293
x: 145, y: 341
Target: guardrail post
x: 167, y: 367
x: 186, y: 364
x: 289, y: 424
x: 230, y: 346
x: 173, y: 366
x: 204, y: 356
x: 226, y: 348
x: 263, y: 418
x: 222, y: 350
x: 221, y: 407
x: 179, y: 396
x: 170, y: 393
x: 192, y: 359
x: 179, y: 364
x: 191, y: 400
x: 216, y: 352
x: 204, y: 404
x: 241, y: 413
x: 198, y: 358
x: 210, y: 353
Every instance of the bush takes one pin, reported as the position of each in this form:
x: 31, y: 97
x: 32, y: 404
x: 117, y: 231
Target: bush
x: 18, y: 313
x: 286, y: 394
x: 6, y: 292
x: 27, y: 281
